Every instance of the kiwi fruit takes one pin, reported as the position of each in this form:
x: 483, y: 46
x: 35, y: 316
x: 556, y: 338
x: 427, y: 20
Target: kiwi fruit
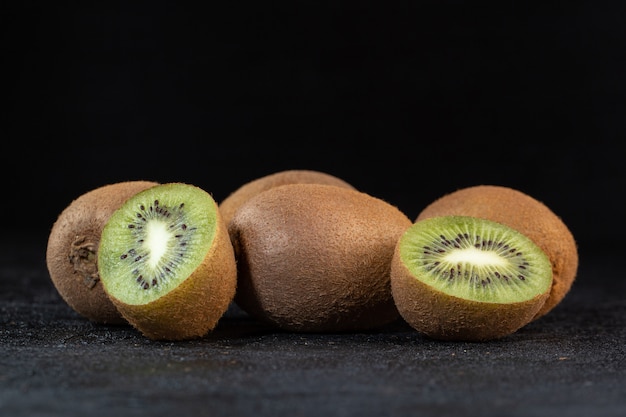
x: 316, y: 258
x: 166, y: 262
x: 527, y: 215
x: 71, y: 253
x: 231, y: 203
x: 462, y: 278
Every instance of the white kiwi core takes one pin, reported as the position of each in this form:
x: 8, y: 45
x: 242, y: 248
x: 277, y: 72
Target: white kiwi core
x: 156, y: 243
x: 475, y: 259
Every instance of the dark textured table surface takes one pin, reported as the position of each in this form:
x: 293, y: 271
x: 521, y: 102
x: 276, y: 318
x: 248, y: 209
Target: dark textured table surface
x: 571, y: 362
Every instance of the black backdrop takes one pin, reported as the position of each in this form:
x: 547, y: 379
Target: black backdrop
x: 405, y: 102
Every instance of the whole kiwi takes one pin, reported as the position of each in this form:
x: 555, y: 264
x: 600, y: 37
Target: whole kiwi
x: 316, y: 257
x: 73, y: 242
x: 527, y: 215
x: 231, y: 203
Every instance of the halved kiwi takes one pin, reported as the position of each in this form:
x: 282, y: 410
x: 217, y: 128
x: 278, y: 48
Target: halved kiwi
x: 469, y: 279
x: 316, y: 257
x: 525, y: 214
x: 71, y: 254
x: 167, y: 263
x: 234, y: 200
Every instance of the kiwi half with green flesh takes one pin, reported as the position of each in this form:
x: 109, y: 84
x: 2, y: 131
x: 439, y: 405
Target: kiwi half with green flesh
x: 316, y: 258
x: 528, y: 216
x: 234, y: 200
x: 468, y: 279
x: 167, y: 263
x: 71, y: 253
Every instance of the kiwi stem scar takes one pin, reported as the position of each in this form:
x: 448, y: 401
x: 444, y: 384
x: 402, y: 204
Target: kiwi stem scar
x: 82, y: 256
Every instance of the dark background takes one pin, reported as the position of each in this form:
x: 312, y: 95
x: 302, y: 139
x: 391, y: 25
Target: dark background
x: 406, y: 102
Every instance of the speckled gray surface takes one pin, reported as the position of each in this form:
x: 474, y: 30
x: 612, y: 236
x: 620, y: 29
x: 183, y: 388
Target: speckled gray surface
x: 571, y: 362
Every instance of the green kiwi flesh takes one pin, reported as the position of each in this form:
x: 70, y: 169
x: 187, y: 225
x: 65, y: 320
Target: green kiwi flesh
x: 167, y: 263
x: 465, y: 278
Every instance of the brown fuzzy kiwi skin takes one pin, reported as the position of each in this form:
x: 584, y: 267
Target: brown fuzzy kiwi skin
x: 444, y: 317
x: 527, y: 215
x: 317, y: 258
x: 194, y: 308
x: 234, y: 200
x: 71, y: 253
